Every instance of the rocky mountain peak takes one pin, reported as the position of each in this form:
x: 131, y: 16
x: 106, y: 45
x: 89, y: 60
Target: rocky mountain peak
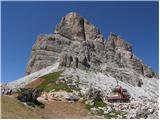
x: 116, y: 42
x: 77, y: 43
x: 75, y: 27
x: 72, y: 14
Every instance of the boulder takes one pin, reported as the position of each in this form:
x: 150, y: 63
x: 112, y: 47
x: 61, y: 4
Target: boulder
x: 94, y: 94
x: 29, y: 95
x: 72, y: 98
x: 89, y: 102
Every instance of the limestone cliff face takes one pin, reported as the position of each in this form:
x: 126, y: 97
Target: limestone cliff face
x: 77, y: 28
x: 78, y: 43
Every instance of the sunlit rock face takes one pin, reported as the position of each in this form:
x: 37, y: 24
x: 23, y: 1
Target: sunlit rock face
x: 77, y: 43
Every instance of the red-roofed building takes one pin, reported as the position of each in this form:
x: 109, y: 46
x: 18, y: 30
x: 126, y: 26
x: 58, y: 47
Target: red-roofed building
x: 119, y: 95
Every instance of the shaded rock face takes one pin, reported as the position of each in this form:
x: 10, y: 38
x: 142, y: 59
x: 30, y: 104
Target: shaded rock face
x: 78, y: 43
x: 28, y: 95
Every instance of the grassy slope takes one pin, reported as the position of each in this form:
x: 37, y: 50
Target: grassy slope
x: 13, y: 109
x: 49, y: 83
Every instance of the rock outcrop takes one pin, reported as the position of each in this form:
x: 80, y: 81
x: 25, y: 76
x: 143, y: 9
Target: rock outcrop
x: 79, y: 44
x: 29, y: 95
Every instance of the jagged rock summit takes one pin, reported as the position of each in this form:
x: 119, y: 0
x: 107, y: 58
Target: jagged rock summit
x: 77, y: 43
x: 77, y: 28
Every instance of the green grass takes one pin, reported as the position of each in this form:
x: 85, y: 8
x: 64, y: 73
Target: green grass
x: 61, y: 86
x: 108, y: 115
x: 37, y: 105
x: 99, y: 103
x: 49, y: 83
x: 88, y: 107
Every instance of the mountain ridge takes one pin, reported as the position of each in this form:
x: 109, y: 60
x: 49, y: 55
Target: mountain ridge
x: 77, y: 40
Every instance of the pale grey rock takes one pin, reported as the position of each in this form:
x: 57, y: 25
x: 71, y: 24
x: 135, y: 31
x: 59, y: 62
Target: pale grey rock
x: 109, y: 109
x: 94, y: 94
x: 72, y: 98
x: 115, y: 42
x: 79, y: 44
x: 99, y: 81
x: 94, y: 110
x: 72, y: 27
x: 89, y: 102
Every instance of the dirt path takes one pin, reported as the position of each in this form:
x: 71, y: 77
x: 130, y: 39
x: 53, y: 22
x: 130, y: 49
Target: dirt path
x: 63, y: 109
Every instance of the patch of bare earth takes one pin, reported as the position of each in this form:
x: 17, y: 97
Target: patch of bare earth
x: 35, y: 83
x: 63, y: 109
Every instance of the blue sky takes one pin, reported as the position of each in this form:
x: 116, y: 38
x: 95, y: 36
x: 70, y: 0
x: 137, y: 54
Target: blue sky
x: 22, y: 22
